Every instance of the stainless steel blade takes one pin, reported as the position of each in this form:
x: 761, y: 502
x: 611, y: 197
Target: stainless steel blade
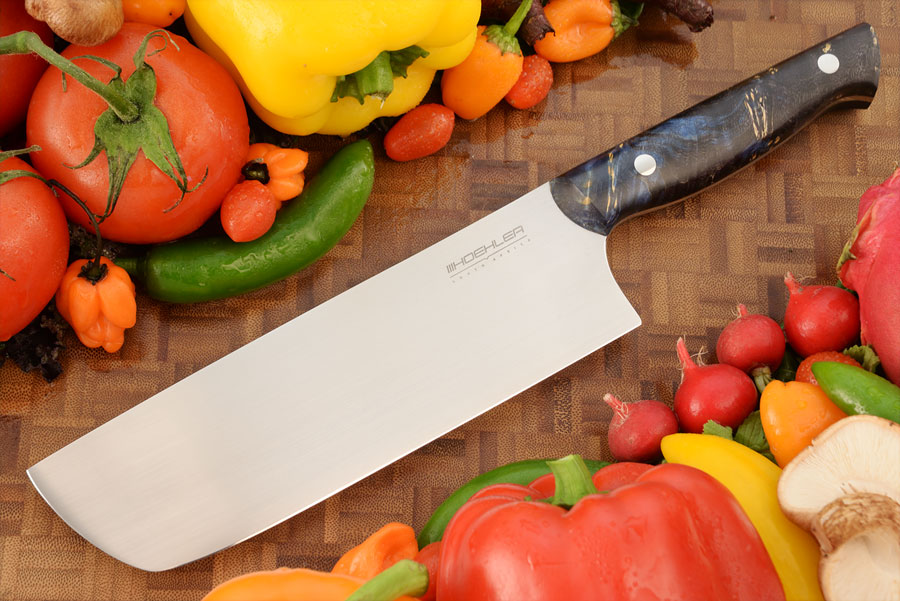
x: 374, y: 374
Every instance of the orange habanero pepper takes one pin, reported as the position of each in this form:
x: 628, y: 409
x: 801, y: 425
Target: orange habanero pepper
x: 477, y: 84
x: 792, y: 414
x: 279, y: 169
x: 97, y: 298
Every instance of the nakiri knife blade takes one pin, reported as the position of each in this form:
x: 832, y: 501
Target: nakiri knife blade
x: 423, y: 347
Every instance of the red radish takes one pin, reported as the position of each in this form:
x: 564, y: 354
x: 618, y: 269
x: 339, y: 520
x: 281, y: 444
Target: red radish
x: 720, y: 392
x: 870, y: 265
x: 820, y: 318
x: 637, y: 428
x: 752, y: 343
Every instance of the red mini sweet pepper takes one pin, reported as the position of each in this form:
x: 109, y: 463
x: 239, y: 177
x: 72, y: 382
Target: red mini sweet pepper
x: 674, y: 533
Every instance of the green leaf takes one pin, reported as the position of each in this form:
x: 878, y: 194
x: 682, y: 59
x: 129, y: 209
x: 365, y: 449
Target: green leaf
x: 714, y: 428
x: 377, y: 78
x: 122, y: 140
x: 751, y: 434
x: 787, y: 371
x: 401, y: 59
x: 625, y: 15
x: 865, y: 356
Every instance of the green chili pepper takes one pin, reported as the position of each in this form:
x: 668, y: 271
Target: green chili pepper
x: 857, y: 391
x: 520, y: 472
x: 306, y: 228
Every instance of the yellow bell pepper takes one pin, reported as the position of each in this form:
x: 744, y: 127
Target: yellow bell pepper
x: 288, y: 55
x: 753, y: 480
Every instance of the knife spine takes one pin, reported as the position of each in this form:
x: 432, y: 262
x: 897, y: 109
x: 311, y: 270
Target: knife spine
x: 705, y: 144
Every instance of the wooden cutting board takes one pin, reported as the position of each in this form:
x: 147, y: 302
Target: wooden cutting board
x: 685, y: 269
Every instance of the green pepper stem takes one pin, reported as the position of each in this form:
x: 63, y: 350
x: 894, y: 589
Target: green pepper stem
x: 512, y: 26
x: 132, y: 265
x: 573, y: 480
x: 406, y: 577
x: 26, y: 42
x: 376, y: 78
x: 504, y: 37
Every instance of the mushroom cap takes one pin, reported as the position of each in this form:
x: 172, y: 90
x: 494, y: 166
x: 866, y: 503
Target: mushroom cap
x: 80, y: 22
x: 856, y: 454
x: 859, y: 535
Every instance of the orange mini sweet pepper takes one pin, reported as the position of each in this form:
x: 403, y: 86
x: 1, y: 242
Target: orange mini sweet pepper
x: 581, y: 28
x: 385, y: 547
x: 477, y: 84
x: 397, y: 583
x: 792, y: 414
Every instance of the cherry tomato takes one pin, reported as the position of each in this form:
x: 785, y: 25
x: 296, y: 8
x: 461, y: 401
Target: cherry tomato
x: 34, y: 246
x: 161, y: 13
x: 804, y: 370
x: 18, y: 72
x: 206, y: 117
x: 248, y: 211
x: 534, y: 83
x: 420, y: 132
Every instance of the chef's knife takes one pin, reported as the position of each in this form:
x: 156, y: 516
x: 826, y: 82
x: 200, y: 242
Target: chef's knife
x: 423, y: 347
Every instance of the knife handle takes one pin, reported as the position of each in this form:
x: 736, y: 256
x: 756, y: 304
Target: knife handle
x: 706, y: 143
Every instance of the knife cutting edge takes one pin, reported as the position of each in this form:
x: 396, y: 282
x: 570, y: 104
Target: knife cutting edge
x: 423, y: 347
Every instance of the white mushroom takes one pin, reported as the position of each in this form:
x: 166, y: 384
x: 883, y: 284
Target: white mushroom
x: 856, y: 454
x: 859, y: 536
x: 81, y: 22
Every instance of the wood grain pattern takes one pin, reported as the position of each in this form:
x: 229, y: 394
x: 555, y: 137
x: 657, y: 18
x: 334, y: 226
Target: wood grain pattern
x: 684, y: 268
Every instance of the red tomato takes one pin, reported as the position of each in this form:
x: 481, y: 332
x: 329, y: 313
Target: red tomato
x: 420, y: 132
x: 33, y: 248
x: 19, y: 72
x: 206, y: 117
x: 248, y: 211
x: 534, y: 83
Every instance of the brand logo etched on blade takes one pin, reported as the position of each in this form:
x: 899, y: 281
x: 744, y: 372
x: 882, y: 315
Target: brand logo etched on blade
x: 477, y: 258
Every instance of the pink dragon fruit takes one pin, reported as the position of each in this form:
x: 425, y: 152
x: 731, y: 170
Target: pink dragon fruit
x: 870, y: 265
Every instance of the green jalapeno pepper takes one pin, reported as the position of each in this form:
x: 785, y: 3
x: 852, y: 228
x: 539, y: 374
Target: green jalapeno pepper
x: 307, y: 227
x: 857, y: 391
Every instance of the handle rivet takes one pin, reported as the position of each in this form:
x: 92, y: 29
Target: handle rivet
x: 644, y: 164
x: 828, y: 63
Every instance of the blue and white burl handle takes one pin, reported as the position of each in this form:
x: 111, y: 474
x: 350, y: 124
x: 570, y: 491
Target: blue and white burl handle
x: 706, y: 143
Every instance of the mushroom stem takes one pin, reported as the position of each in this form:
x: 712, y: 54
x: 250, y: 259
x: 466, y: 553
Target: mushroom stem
x: 81, y: 22
x: 859, y: 535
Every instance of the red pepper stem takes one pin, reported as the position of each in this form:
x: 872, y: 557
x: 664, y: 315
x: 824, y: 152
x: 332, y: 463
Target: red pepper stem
x: 573, y: 480
x: 406, y: 577
x: 26, y: 42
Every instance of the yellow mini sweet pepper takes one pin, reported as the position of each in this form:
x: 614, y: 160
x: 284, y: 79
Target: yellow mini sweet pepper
x: 753, y: 480
x: 294, y: 58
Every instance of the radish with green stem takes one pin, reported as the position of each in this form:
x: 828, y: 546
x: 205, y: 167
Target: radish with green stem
x: 820, y: 318
x: 752, y: 343
x: 721, y: 393
x: 637, y: 428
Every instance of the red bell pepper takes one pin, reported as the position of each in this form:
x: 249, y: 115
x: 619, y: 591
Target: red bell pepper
x: 675, y: 533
